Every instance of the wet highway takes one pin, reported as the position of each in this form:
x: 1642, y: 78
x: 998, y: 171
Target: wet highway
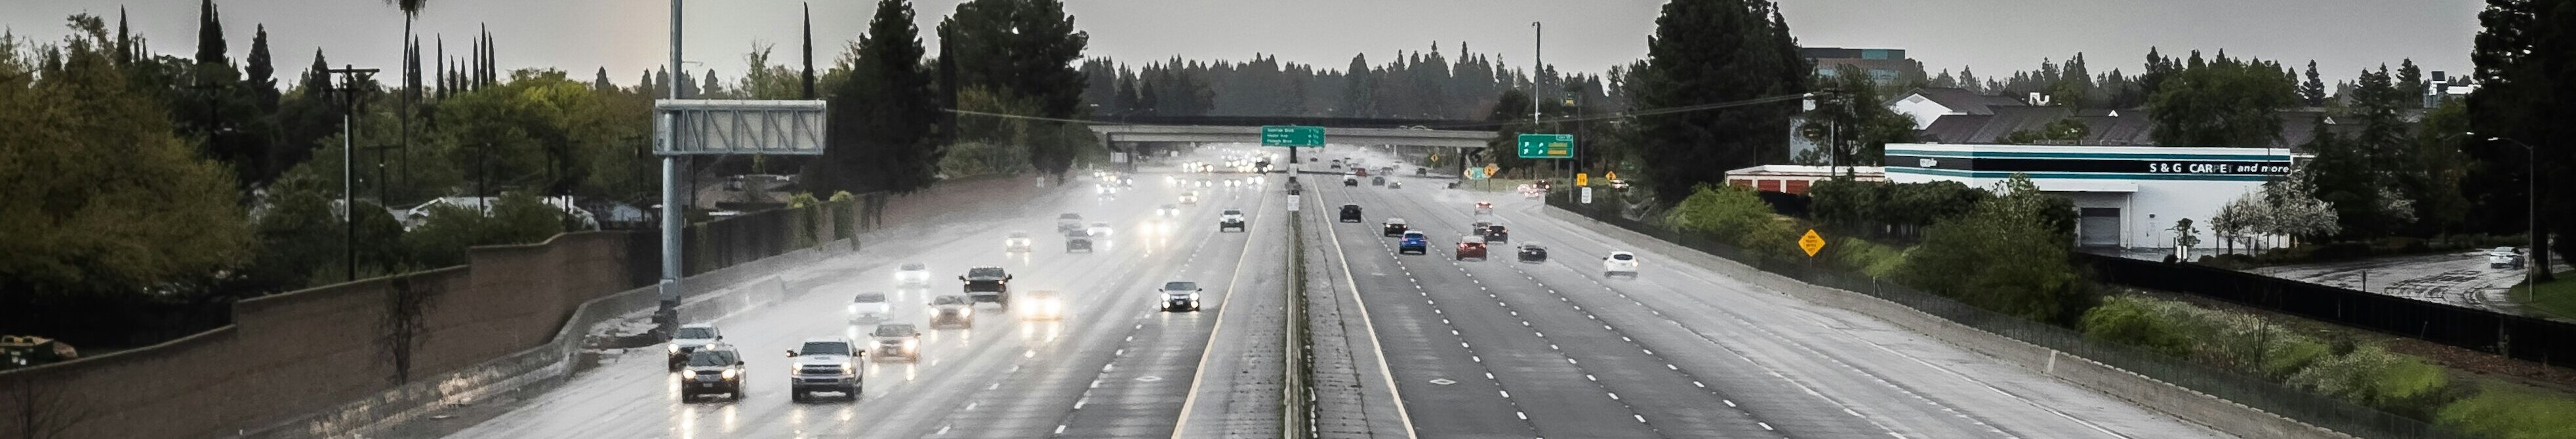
x: 1500, y: 348
x: 1493, y: 348
x: 1113, y: 367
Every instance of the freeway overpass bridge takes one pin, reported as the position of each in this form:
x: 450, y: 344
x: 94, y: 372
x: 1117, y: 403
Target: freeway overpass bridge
x: 1413, y: 138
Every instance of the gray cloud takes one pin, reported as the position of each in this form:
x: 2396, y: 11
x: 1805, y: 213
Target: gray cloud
x: 1996, y: 36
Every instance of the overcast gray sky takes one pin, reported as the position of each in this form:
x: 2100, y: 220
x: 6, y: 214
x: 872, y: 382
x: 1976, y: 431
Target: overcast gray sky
x: 1995, y: 36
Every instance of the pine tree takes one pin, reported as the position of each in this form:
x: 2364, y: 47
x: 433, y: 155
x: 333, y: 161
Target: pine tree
x: 600, y: 82
x: 1706, y: 52
x: 2314, y: 89
x: 884, y: 118
x: 263, y: 74
x: 2410, y: 81
x: 210, y: 35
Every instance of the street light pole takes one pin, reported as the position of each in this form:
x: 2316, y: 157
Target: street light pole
x: 2537, y: 263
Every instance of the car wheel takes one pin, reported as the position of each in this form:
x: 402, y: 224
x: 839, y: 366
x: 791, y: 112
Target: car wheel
x: 796, y: 396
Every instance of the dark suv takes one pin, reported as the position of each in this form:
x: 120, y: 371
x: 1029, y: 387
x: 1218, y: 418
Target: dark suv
x: 1350, y: 213
x: 988, y: 284
x: 714, y: 369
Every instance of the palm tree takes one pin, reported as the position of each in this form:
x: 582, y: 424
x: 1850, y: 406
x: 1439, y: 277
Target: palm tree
x: 411, y: 13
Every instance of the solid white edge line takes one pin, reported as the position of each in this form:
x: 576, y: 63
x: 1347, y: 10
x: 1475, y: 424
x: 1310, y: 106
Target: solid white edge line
x: 1376, y: 347
x: 1199, y: 373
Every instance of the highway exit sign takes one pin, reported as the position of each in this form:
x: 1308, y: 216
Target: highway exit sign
x: 1292, y: 135
x: 1547, y: 146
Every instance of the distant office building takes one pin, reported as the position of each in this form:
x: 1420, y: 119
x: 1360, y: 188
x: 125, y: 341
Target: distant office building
x: 1885, y: 66
x: 2125, y: 196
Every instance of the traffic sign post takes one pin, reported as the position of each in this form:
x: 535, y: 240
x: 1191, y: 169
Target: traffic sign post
x: 1582, y: 179
x: 1546, y: 146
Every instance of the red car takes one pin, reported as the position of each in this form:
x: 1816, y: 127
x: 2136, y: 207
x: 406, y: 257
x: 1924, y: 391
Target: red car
x: 1471, y: 247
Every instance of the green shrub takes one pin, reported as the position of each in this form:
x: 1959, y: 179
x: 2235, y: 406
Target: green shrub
x: 1735, y: 216
x: 1870, y: 258
x: 2373, y: 376
x: 516, y: 218
x: 2005, y: 255
x: 2137, y: 322
x: 2506, y: 411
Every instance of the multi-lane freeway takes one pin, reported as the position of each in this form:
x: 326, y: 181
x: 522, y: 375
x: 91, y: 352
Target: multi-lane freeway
x: 1494, y: 348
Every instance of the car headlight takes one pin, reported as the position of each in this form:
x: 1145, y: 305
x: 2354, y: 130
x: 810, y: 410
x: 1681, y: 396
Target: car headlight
x: 910, y: 344
x: 1194, y: 297
x: 854, y: 309
x: 674, y: 348
x: 966, y: 312
x: 728, y: 374
x: 849, y: 367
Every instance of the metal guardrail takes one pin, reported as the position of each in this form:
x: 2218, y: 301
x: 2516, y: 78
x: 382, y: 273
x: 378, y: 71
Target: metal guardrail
x: 1297, y: 393
x: 2256, y: 392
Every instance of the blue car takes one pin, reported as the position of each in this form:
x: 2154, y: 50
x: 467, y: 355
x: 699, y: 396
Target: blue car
x: 1414, y: 244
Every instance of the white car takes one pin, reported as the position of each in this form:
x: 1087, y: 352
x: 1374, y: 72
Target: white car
x: 912, y: 275
x: 1099, y: 231
x: 2504, y: 258
x: 1232, y: 219
x: 1619, y: 264
x: 1168, y: 211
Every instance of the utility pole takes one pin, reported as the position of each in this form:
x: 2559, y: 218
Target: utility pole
x: 349, y: 77
x: 669, y: 287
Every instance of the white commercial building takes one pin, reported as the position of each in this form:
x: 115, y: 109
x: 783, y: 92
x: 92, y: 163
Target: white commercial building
x: 2127, y: 196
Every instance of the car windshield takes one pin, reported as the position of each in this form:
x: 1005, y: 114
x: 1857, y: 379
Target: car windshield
x: 897, y: 330
x: 696, y: 333
x: 1070, y: 216
x: 949, y: 300
x: 1180, y: 286
x: 824, y: 348
x: 713, y: 358
x: 1233, y: 212
x: 1623, y: 257
x: 916, y: 266
x: 984, y: 273
x: 870, y: 298
x: 1099, y: 225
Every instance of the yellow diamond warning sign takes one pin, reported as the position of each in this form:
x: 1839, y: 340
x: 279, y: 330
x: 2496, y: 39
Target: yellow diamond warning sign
x: 1811, y: 243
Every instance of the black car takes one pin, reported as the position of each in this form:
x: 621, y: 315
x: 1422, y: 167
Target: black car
x: 988, y: 284
x: 712, y: 370
x: 1377, y: 181
x: 1350, y: 213
x: 1531, y: 252
x: 1496, y: 234
x: 1077, y: 241
x: 1351, y: 181
x: 1395, y: 227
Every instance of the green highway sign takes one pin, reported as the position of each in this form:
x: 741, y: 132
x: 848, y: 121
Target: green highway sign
x: 1547, y: 146
x: 1292, y: 135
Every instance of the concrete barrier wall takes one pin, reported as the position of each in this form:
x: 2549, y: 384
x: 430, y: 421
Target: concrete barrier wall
x: 2222, y: 415
x: 319, y: 363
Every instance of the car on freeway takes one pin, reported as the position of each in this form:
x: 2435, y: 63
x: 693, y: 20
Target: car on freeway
x: 988, y: 284
x: 1018, y: 242
x: 1077, y: 241
x: 912, y: 275
x: 1484, y: 208
x: 1358, y: 171
x: 1190, y: 197
x: 1042, y: 305
x: 1168, y: 211
x: 690, y: 337
x: 1478, y: 228
x: 1351, y: 181
x: 2504, y: 258
x: 869, y: 309
x: 1068, y: 222
x: 1350, y: 213
x: 712, y: 370
x: 1533, y: 253
x: 824, y: 365
x: 1395, y: 185
x: 1395, y: 227
x: 1421, y: 171
x: 1231, y: 219
x: 1494, y: 233
x: 952, y: 311
x: 1619, y: 264
x: 1413, y: 243
x: 899, y: 340
x: 1177, y: 296
x: 1377, y: 181
x: 1099, y: 230
x: 1471, y: 247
